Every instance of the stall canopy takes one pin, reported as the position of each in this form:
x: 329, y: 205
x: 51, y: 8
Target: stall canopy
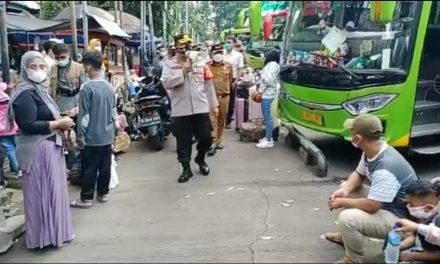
x: 131, y: 24
x: 18, y: 6
x: 102, y: 17
x: 28, y: 23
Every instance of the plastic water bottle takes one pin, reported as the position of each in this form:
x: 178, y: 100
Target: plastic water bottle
x: 392, y: 250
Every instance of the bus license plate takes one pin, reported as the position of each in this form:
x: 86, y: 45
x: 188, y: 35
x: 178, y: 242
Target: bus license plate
x: 313, y: 118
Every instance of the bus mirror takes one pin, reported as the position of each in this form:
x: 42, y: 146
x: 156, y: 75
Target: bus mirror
x: 382, y: 12
x: 242, y: 18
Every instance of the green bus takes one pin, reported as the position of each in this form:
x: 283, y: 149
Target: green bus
x: 345, y: 58
x: 266, y: 22
x: 241, y: 30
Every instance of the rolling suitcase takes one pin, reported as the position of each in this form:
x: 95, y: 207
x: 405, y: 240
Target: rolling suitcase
x: 254, y: 108
x: 241, y: 112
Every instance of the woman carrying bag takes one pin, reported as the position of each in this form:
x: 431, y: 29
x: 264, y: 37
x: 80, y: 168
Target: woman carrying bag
x: 269, y: 85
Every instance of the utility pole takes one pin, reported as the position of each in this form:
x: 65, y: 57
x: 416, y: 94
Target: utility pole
x: 150, y: 18
x: 121, y: 20
x: 186, y: 18
x: 115, y: 12
x: 4, y: 44
x: 164, y: 22
x: 85, y: 21
x: 74, y: 31
x: 142, y: 51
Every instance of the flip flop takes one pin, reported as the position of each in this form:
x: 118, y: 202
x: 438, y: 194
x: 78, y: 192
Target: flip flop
x: 81, y: 204
x: 334, y: 237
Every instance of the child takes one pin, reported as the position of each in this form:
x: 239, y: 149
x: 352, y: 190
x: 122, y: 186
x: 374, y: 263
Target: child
x: 423, y: 199
x: 7, y: 133
x: 96, y: 132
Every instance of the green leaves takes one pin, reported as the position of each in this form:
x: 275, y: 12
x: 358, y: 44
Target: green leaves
x: 226, y: 13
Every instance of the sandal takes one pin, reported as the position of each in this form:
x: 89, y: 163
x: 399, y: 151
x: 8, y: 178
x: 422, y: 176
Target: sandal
x: 335, y: 237
x: 81, y: 204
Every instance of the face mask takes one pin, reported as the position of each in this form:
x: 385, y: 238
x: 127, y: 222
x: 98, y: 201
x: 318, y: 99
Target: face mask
x: 98, y: 48
x: 218, y: 57
x: 419, y: 212
x: 37, y: 76
x: 63, y: 63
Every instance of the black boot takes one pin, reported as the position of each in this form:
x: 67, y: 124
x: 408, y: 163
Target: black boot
x: 186, y: 173
x: 212, y: 151
x: 204, y: 168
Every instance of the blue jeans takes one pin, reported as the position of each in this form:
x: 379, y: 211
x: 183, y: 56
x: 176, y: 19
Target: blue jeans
x: 266, y: 109
x: 8, y: 144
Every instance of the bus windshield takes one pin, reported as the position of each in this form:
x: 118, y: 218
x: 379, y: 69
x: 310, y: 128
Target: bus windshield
x: 335, y: 35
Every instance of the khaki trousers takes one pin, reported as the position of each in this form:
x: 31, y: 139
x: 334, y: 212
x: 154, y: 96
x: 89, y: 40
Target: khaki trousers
x: 355, y: 225
x: 218, y: 123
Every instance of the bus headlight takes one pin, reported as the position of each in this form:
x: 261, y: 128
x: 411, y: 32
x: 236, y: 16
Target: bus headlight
x: 368, y: 103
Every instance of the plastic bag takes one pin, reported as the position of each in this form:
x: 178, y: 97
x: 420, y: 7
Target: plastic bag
x: 122, y: 142
x: 114, y: 179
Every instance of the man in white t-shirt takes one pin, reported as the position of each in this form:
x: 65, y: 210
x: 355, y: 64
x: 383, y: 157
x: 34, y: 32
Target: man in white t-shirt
x: 370, y: 211
x: 236, y: 59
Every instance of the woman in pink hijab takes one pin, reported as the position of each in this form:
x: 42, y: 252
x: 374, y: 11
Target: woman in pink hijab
x: 7, y: 133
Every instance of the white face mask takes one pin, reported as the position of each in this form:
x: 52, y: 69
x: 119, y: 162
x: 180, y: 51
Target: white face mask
x: 218, y: 57
x: 419, y: 212
x: 98, y: 48
x: 63, y: 63
x: 37, y: 76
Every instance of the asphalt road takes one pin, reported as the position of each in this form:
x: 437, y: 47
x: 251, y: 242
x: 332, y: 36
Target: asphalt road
x: 234, y: 215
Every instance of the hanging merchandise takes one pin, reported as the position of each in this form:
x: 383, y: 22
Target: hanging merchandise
x: 334, y: 39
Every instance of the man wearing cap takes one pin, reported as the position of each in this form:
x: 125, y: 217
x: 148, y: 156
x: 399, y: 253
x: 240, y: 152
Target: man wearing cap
x: 189, y: 84
x: 223, y: 75
x: 236, y: 60
x: 370, y: 211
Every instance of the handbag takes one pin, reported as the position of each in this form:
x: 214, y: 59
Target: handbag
x: 257, y: 96
x: 69, y: 140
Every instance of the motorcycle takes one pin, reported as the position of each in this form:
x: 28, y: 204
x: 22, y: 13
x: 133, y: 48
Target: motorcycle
x: 152, y: 111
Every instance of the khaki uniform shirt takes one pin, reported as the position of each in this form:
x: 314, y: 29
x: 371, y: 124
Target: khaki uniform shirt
x: 223, y: 74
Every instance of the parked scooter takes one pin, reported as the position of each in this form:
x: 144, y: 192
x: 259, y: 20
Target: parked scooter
x: 152, y: 112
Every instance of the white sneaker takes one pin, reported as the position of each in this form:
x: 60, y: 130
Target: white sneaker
x: 262, y: 140
x: 265, y: 144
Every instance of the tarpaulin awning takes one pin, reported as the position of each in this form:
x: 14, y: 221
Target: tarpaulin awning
x: 28, y: 23
x: 32, y: 5
x: 111, y: 27
x: 130, y: 23
x: 106, y: 19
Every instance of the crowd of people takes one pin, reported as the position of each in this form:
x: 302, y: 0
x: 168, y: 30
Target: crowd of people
x: 64, y: 113
x: 59, y: 118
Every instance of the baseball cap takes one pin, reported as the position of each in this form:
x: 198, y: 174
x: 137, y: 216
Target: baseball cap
x: 367, y: 125
x: 217, y: 48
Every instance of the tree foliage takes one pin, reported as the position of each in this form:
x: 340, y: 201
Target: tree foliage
x: 226, y: 13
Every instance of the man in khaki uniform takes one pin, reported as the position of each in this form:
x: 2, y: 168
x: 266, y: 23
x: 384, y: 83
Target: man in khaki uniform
x: 223, y: 76
x: 66, y: 78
